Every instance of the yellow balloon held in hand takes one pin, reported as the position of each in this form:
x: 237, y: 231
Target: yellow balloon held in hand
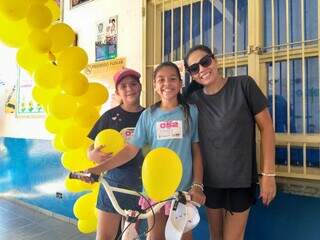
x: 161, y: 173
x: 112, y: 139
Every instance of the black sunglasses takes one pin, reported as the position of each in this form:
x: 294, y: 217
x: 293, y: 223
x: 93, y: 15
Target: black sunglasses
x: 204, y: 62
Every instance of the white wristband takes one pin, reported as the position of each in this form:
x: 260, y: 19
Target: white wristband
x: 268, y: 174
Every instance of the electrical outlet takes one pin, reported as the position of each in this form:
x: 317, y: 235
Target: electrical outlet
x: 59, y: 195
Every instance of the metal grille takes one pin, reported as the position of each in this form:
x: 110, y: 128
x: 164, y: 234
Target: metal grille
x: 274, y: 41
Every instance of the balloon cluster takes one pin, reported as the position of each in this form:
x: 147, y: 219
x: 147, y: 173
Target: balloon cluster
x: 46, y: 52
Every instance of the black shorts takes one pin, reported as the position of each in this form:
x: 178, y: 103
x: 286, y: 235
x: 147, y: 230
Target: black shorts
x: 231, y: 199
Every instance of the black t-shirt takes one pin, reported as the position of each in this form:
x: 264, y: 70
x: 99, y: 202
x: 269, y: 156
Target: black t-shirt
x: 227, y: 132
x: 124, y: 122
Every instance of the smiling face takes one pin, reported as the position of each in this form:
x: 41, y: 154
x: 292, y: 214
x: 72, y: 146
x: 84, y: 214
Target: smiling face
x: 129, y: 90
x: 167, y: 83
x: 207, y: 73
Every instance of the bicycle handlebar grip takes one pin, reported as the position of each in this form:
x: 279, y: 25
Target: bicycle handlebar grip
x: 80, y: 175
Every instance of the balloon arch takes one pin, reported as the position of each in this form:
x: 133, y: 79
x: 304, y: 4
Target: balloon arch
x: 46, y: 52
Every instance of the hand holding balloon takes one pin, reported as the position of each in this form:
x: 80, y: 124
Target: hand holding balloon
x: 98, y: 156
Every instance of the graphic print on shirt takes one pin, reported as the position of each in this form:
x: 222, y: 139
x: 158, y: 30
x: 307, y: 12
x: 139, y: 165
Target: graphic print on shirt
x: 171, y: 129
x: 127, y: 133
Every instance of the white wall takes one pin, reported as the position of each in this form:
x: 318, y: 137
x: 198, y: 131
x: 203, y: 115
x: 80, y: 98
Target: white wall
x: 10, y: 126
x: 82, y: 19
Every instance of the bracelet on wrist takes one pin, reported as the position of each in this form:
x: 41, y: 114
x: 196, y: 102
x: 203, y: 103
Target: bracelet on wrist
x: 268, y: 174
x: 198, y: 185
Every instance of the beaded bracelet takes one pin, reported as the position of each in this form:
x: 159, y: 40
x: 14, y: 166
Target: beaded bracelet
x: 268, y: 174
x: 198, y: 185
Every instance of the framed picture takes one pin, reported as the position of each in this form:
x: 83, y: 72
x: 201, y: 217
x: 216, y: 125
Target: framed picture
x: 106, y: 39
x: 75, y: 3
x: 26, y: 106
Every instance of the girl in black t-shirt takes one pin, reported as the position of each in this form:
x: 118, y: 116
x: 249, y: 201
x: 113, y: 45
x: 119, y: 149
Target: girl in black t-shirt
x: 122, y: 118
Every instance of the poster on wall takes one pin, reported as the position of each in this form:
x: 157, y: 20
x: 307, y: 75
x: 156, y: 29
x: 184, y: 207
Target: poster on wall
x: 102, y: 72
x: 106, y: 39
x: 74, y: 3
x: 8, y: 80
x: 26, y: 106
x: 8, y: 96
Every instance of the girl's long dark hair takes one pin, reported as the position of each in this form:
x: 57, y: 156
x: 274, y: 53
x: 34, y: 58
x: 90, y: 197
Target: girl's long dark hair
x: 181, y: 100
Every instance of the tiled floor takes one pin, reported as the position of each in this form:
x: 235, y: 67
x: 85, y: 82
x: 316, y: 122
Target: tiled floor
x: 18, y: 222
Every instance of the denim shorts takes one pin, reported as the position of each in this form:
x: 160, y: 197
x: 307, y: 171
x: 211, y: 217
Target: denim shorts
x: 125, y: 201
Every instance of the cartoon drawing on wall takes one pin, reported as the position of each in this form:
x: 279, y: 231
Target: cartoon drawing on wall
x: 10, y: 102
x: 106, y: 39
x: 7, y: 95
x: 26, y: 105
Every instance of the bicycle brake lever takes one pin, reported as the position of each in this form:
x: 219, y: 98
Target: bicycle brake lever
x: 79, y: 175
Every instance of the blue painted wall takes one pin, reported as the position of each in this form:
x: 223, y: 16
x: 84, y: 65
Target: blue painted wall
x: 31, y: 171
x: 27, y: 164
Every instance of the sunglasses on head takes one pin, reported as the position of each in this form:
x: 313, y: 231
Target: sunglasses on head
x: 204, y: 62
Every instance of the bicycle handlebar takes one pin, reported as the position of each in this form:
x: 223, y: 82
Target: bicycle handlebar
x: 110, y: 191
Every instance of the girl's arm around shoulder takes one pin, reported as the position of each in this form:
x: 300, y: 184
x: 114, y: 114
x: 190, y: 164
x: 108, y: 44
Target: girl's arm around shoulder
x: 122, y: 157
x: 194, y: 112
x: 196, y: 190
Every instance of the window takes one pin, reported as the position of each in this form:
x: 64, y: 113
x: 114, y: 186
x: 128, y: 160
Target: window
x: 275, y: 41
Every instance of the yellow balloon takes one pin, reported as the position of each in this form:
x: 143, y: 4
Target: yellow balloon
x: 54, y: 9
x: 73, y: 136
x: 75, y: 185
x: 62, y: 36
x: 14, y: 9
x: 161, y: 173
x: 96, y: 95
x: 86, y: 116
x: 47, y: 76
x: 57, y: 144
x: 62, y: 106
x: 39, y: 41
x: 87, y: 225
x: 13, y: 33
x: 76, y: 160
x: 43, y: 96
x: 29, y: 59
x: 84, y: 206
x: 73, y: 58
x: 55, y: 125
x: 39, y: 16
x: 37, y: 1
x: 74, y: 83
x: 112, y: 139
